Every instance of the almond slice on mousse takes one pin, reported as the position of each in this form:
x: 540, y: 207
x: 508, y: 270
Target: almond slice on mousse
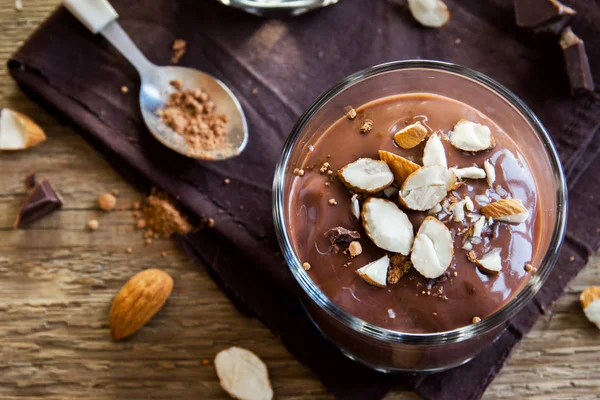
x: 434, y: 153
x: 433, y: 248
x: 469, y: 173
x: 400, y: 166
x: 355, y: 206
x: 366, y: 175
x: 387, y: 226
x: 375, y: 273
x: 426, y: 187
x: 469, y: 136
x: 429, y: 13
x: 590, y: 302
x: 491, y: 263
x: 410, y: 136
x: 18, y: 132
x: 506, y: 210
x: 490, y: 172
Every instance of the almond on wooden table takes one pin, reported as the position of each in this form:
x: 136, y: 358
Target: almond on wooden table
x: 243, y: 375
x: 138, y: 301
x: 590, y: 302
x: 18, y: 132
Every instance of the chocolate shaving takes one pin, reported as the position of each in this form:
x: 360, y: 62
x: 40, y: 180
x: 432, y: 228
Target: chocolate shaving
x: 42, y: 201
x: 341, y: 238
x: 576, y: 62
x: 539, y: 13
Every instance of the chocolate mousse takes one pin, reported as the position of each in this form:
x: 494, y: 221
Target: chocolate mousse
x: 425, y: 222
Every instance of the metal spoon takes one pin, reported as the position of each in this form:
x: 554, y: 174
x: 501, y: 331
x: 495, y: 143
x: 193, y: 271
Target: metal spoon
x: 100, y: 17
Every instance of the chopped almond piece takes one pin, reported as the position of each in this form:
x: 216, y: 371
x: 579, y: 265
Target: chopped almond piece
x: 506, y: 210
x: 469, y: 136
x: 387, y: 226
x: 426, y: 187
x: 433, y: 248
x: 366, y: 175
x: 491, y: 263
x: 469, y: 173
x: 429, y: 13
x: 375, y: 273
x: 400, y: 166
x: 434, y: 153
x: 410, y: 136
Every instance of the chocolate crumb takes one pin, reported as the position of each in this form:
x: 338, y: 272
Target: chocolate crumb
x: 93, y: 224
x: 572, y: 258
x: 298, y: 172
x: 455, y: 273
x: 30, y: 181
x: 351, y: 114
x: 124, y: 89
x: 476, y: 320
x: 434, y: 314
x: 325, y: 167
x: 163, y: 254
x: 254, y: 91
x: 114, y: 192
x: 457, y: 41
x: 399, y: 265
x: 333, y: 202
x: 366, y: 126
x: 129, y: 250
x: 107, y: 202
x: 306, y: 266
x: 471, y: 256
x: 148, y: 241
x: 354, y: 249
x: 530, y: 269
x: 205, y: 362
x: 227, y: 181
x: 211, y: 222
x: 141, y: 223
x: 136, y: 205
x: 330, y: 172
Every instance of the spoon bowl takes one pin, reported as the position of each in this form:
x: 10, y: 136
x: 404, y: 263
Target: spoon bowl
x: 154, y: 94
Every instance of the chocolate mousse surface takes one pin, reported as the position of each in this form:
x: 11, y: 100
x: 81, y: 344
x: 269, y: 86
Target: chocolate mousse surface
x: 414, y: 304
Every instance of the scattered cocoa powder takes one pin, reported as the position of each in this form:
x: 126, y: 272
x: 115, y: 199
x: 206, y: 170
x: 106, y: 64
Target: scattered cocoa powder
x: 179, y: 48
x: 161, y: 217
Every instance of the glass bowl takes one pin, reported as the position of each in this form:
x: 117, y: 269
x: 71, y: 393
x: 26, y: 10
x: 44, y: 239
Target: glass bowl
x: 389, y: 350
x: 277, y: 7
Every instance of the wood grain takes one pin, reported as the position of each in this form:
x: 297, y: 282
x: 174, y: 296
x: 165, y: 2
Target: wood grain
x: 57, y: 281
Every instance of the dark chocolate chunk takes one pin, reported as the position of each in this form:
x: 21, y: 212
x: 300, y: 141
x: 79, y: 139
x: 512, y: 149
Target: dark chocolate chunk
x: 536, y: 13
x: 340, y: 238
x: 576, y: 62
x: 42, y: 201
x: 30, y: 181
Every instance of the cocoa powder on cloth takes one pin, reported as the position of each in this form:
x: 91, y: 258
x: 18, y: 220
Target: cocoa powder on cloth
x: 287, y: 64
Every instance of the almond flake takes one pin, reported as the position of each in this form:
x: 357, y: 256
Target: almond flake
x: 410, y: 136
x: 458, y: 211
x: 18, y: 132
x: 387, y: 226
x: 243, y: 375
x: 491, y: 263
x: 366, y: 175
x: 400, y: 166
x: 478, y: 227
x: 433, y: 248
x: 434, y: 153
x: 426, y: 187
x: 482, y: 199
x: 375, y: 273
x: 490, y: 172
x: 469, y: 204
x: 429, y: 13
x: 467, y: 246
x: 355, y: 206
x: 436, y: 209
x: 469, y: 136
x: 506, y: 210
x: 590, y: 302
x: 469, y: 173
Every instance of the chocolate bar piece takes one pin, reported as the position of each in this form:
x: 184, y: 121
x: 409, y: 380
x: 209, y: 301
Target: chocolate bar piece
x: 42, y: 201
x: 576, y: 62
x: 340, y: 238
x: 540, y: 14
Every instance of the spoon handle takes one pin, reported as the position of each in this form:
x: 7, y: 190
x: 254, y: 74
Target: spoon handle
x: 100, y: 17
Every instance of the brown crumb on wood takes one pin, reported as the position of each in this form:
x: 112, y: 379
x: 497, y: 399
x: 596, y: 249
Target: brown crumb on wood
x: 179, y: 48
x: 471, y: 256
x: 366, y: 126
x: 107, y: 202
x: 163, y: 254
x: 129, y: 250
x: 351, y: 114
x: 148, y: 241
x: 136, y: 205
x: 306, y: 266
x: 205, y: 362
x: 141, y: 223
x: 475, y: 320
x: 93, y: 224
x: 115, y: 192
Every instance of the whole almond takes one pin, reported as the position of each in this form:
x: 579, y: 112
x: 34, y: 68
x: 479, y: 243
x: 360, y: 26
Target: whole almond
x: 138, y: 301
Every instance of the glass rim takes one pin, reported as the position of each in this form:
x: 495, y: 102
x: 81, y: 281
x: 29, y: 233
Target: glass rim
x: 371, y: 330
x: 283, y: 5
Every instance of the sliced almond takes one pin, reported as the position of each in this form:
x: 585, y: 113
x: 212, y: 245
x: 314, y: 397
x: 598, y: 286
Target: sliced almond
x: 469, y: 173
x: 436, y: 209
x: 458, y: 211
x: 490, y: 172
x: 366, y: 175
x: 434, y: 153
x: 478, y: 227
x: 426, y: 187
x: 491, y: 263
x: 429, y: 13
x: 469, y: 136
x: 391, y: 192
x: 590, y: 302
x: 400, y: 166
x: 433, y: 248
x: 410, y: 136
x: 18, y: 132
x: 387, y: 226
x: 506, y: 210
x: 243, y: 375
x: 375, y: 273
x: 469, y: 204
x: 355, y: 206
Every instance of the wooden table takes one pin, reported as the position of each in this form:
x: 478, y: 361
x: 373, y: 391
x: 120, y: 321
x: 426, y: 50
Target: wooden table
x: 57, y: 281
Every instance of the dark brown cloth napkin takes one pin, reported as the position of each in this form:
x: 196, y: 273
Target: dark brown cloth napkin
x: 277, y: 67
